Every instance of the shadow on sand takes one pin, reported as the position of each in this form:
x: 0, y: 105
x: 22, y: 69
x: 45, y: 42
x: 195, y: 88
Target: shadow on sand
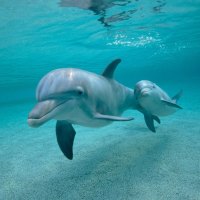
x: 111, y: 169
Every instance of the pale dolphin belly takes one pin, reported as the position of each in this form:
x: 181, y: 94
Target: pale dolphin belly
x: 79, y: 116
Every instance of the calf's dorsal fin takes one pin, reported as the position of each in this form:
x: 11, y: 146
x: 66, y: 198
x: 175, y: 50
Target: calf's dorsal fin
x: 176, y: 97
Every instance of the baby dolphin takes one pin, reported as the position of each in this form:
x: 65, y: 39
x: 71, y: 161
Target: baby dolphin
x: 74, y: 96
x: 152, y: 101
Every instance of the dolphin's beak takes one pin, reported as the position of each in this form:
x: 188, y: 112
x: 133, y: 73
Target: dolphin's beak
x: 42, y: 112
x: 145, y: 92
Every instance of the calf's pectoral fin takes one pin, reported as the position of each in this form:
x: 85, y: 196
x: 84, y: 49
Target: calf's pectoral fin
x: 65, y: 134
x: 171, y: 104
x: 156, y: 118
x: 112, y: 118
x: 149, y: 118
x: 149, y: 121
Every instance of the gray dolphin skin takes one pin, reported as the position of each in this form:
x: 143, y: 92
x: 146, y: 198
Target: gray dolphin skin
x: 74, y: 96
x: 153, y: 102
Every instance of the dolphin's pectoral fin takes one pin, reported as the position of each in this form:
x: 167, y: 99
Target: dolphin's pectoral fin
x: 149, y: 122
x: 177, y: 96
x: 65, y: 134
x: 109, y: 71
x: 112, y: 118
x: 156, y: 118
x: 171, y: 104
x: 148, y: 118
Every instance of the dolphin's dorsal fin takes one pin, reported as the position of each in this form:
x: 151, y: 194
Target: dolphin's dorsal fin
x: 177, y: 96
x: 109, y: 71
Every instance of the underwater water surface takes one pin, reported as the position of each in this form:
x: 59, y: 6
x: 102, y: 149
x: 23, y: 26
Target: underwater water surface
x: 156, y: 40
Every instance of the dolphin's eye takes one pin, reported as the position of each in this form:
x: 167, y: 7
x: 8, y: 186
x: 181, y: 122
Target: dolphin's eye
x: 79, y: 91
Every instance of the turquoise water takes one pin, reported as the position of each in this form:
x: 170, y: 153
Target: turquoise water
x: 156, y: 40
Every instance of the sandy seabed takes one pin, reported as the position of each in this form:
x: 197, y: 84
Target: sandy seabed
x: 121, y: 161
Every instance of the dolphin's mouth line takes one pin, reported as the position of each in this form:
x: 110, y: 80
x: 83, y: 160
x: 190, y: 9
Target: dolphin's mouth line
x: 144, y: 91
x: 48, y: 111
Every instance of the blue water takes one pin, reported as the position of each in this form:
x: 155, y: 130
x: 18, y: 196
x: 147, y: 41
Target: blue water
x: 156, y: 40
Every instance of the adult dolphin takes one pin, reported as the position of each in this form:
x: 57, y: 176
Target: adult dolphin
x: 153, y: 102
x: 74, y: 96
